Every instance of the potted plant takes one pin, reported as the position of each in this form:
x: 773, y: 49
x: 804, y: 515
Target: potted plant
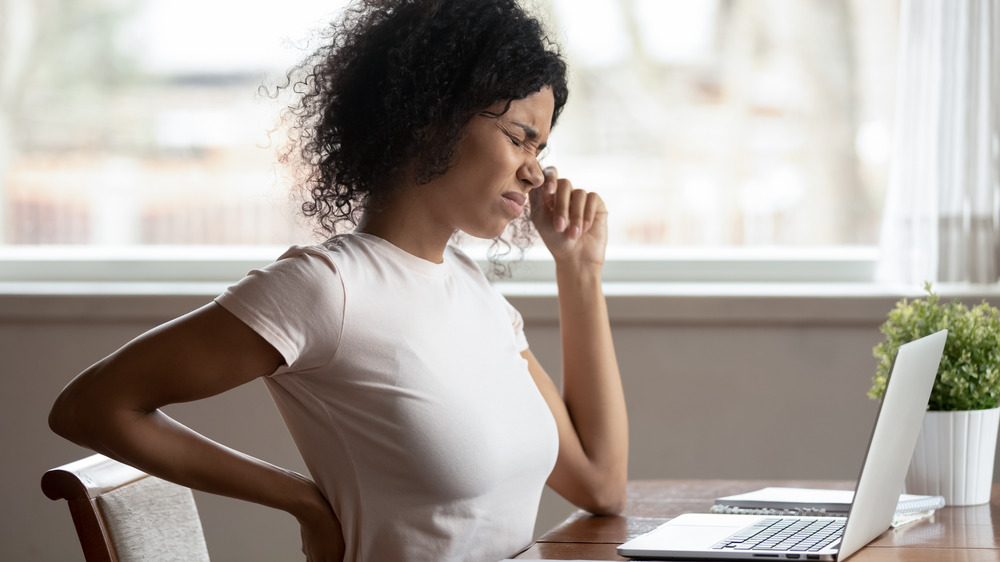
x: 955, y: 451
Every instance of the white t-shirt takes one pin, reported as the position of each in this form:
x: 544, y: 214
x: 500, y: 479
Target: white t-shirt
x: 406, y: 394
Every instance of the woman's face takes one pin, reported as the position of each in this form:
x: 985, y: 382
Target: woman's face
x: 495, y: 166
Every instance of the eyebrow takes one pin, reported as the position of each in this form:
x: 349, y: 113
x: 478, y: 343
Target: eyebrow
x: 531, y: 133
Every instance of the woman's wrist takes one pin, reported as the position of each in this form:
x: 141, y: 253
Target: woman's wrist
x: 306, y: 503
x: 577, y: 269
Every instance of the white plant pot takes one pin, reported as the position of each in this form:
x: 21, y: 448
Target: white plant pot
x: 954, y: 456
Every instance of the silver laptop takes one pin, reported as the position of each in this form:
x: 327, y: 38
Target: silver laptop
x: 703, y: 536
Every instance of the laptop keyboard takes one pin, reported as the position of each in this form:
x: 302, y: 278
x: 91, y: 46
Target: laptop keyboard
x: 789, y: 534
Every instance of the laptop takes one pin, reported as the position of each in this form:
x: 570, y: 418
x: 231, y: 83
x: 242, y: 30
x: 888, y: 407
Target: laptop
x: 704, y: 536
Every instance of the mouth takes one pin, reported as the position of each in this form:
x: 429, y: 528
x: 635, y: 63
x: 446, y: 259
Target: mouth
x: 515, y: 200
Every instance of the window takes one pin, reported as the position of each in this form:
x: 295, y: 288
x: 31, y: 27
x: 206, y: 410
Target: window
x: 717, y: 123
x: 746, y: 123
x: 139, y: 122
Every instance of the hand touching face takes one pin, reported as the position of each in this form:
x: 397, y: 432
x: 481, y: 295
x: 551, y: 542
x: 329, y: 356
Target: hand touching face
x: 572, y: 222
x: 494, y: 168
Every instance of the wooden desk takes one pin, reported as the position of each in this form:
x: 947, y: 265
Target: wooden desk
x: 953, y: 534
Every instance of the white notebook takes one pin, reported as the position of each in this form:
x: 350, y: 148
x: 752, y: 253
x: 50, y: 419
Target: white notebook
x: 809, y: 501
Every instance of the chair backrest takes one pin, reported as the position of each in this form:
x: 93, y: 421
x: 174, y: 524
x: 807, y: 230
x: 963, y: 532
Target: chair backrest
x: 123, y: 514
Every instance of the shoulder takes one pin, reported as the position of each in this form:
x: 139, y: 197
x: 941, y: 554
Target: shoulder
x: 463, y: 262
x: 301, y: 273
x: 295, y: 303
x: 474, y: 276
x: 333, y: 255
x: 328, y: 253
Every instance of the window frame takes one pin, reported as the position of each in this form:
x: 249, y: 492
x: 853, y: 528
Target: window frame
x: 228, y: 264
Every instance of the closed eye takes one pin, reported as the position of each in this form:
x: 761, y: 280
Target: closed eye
x: 514, y: 140
x: 529, y: 145
x: 525, y: 145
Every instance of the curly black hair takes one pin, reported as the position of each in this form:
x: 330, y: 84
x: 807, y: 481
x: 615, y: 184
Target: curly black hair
x: 395, y: 84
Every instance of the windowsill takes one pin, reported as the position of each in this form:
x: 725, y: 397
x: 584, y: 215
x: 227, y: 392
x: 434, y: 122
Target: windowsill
x: 208, y: 264
x: 628, y: 302
x: 805, y: 286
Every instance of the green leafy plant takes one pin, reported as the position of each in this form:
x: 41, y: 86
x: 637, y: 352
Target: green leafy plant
x: 969, y: 375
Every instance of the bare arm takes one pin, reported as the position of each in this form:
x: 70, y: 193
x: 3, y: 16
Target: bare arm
x: 113, y: 408
x: 592, y: 467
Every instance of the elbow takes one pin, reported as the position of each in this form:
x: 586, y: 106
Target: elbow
x: 92, y: 413
x: 606, y: 495
x: 610, y: 500
x: 76, y: 415
x: 63, y: 418
x: 598, y: 489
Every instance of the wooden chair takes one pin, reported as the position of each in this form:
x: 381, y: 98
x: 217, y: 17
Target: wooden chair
x: 123, y: 514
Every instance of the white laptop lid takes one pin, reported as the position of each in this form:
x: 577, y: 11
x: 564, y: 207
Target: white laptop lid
x: 892, y: 442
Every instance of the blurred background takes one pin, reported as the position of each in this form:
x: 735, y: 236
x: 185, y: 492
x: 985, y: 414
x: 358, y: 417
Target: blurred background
x: 715, y: 123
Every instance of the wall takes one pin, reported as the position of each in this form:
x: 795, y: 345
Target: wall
x: 721, y: 383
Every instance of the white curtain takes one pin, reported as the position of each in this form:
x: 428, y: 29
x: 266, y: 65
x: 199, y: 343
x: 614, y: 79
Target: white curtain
x: 942, y: 215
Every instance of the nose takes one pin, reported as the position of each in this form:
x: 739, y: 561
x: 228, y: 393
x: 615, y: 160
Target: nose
x: 530, y: 173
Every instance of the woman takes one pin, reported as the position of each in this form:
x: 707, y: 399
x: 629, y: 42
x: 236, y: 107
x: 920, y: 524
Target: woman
x: 427, y: 425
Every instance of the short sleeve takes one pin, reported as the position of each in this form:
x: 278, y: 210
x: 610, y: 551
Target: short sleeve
x: 296, y: 304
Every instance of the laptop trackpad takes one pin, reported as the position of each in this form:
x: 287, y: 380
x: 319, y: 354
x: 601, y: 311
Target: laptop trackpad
x: 692, y: 531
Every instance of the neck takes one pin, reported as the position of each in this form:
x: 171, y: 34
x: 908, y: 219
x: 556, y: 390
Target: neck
x: 406, y: 224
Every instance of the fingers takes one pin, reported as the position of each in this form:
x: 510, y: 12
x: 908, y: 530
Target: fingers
x: 561, y: 205
x: 541, y: 197
x: 577, y: 204
x: 551, y: 177
x: 593, y: 206
x: 572, y: 210
x: 583, y: 208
